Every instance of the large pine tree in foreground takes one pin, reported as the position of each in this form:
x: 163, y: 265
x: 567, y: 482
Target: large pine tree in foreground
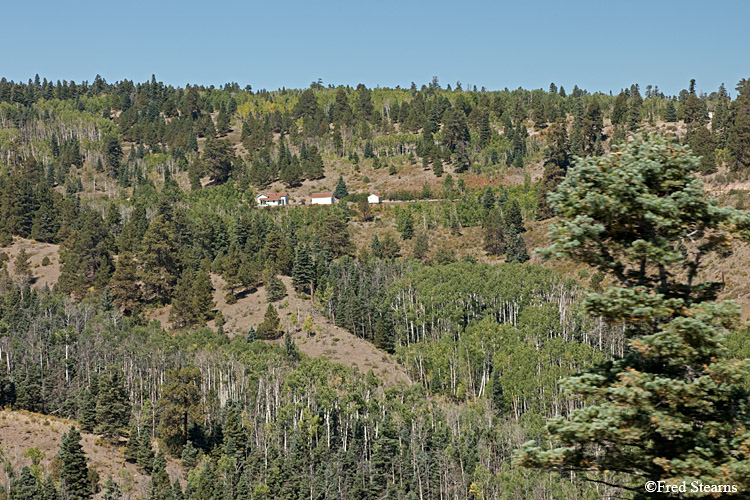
x: 672, y: 408
x: 74, y: 471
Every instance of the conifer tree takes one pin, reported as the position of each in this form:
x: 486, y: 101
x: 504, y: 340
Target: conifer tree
x: 132, y: 445
x: 112, y: 404
x: 145, y: 454
x: 159, y: 485
x: 157, y: 258
x: 270, y: 329
x: 671, y: 408
x: 421, y: 246
x: 29, y: 392
x: 222, y: 121
x: 183, y: 311
x: 112, y: 490
x: 275, y: 288
x: 376, y: 248
x: 485, y: 131
x: 26, y: 486
x: 437, y: 167
x: 180, y: 404
x: 513, y: 218
x: 335, y: 236
x: 87, y: 419
x: 516, y: 250
x: 738, y: 141
x: 670, y: 114
x: 303, y: 273
x: 189, y: 457
x: 74, y: 471
x: 22, y: 267
x: 49, y: 490
x: 493, y: 229
x: 340, y: 190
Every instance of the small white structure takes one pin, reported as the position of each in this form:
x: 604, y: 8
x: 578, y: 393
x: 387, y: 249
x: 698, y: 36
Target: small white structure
x: 272, y: 199
x: 322, y: 199
x: 374, y: 199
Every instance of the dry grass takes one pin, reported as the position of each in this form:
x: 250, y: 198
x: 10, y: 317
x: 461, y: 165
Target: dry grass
x: 21, y: 430
x: 335, y: 343
x: 43, y: 275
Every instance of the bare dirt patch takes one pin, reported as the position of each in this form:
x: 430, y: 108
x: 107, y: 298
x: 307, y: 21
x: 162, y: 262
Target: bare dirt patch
x: 43, y: 275
x: 328, y: 340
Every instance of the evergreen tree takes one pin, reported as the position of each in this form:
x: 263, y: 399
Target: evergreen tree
x: 485, y: 131
x: 159, y: 486
x: 513, y: 218
x: 376, y: 248
x: 157, y: 259
x: 384, y: 332
x: 145, y: 454
x: 218, y: 158
x: 112, y: 151
x: 132, y: 445
x: 670, y: 114
x: 675, y: 395
x: 124, y: 283
x: 87, y: 419
x: 183, y: 311
x: 738, y: 141
x: 74, y: 471
x: 112, y: 404
x: 620, y: 110
x: 335, y: 236
x: 702, y: 143
x: 203, y: 295
x: 303, y: 273
x: 437, y: 167
x: 222, y: 122
x: 26, y: 486
x: 49, y: 490
x: 180, y: 404
x: 494, y: 232
x: 340, y: 190
x: 112, y: 490
x: 22, y: 267
x: 591, y: 126
x: 405, y: 224
x: 189, y: 457
x: 29, y: 392
x: 421, y: 246
x: 516, y: 250
x: 275, y: 288
x: 270, y: 329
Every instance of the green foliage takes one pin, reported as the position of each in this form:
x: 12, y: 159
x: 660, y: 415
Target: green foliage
x: 179, y: 405
x: 271, y: 327
x: 112, y: 404
x: 74, y: 471
x: 275, y: 288
x: 674, y: 395
x: 340, y: 190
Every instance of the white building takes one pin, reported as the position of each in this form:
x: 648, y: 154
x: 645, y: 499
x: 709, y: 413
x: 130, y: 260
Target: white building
x: 272, y: 199
x: 322, y: 199
x: 374, y: 199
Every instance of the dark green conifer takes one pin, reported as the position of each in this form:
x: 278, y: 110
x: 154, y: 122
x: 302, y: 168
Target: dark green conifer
x: 74, y: 471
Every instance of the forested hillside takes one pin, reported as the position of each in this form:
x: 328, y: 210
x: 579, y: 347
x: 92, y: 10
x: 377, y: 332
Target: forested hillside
x: 127, y: 209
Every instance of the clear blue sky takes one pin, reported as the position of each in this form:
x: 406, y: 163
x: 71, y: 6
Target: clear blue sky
x: 599, y: 45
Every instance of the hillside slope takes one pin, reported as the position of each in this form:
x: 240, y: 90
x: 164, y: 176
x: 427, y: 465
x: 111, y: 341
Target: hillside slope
x: 21, y: 430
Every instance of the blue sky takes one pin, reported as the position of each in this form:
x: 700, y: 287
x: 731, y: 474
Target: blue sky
x: 598, y: 45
